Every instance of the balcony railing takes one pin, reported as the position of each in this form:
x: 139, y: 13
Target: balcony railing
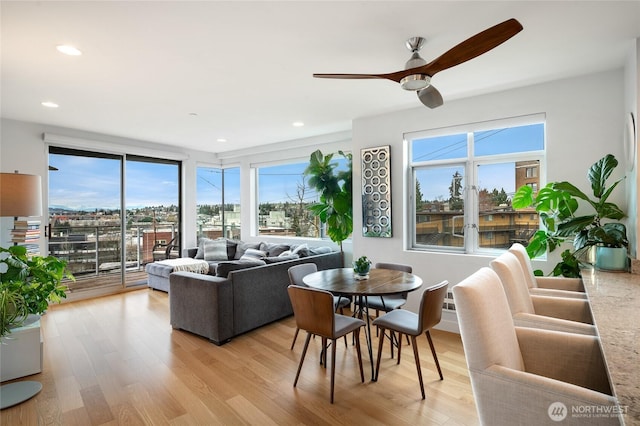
x: 95, y: 249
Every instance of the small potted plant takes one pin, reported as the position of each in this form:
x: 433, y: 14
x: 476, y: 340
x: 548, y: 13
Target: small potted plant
x: 361, y: 268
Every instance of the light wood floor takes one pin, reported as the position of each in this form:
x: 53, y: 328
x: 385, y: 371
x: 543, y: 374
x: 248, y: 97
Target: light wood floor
x: 116, y: 360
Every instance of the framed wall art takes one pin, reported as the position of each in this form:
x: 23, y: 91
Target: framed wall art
x: 376, y: 192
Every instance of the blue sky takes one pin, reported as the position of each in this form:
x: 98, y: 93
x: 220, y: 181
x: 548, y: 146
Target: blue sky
x: 88, y: 183
x: 435, y: 183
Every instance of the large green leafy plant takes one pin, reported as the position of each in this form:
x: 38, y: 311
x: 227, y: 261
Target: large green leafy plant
x: 557, y: 204
x: 28, y: 284
x: 335, y: 206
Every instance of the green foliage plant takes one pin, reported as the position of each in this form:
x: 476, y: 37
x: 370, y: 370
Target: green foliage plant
x: 334, y: 188
x: 37, y: 279
x: 557, y: 204
x: 361, y: 265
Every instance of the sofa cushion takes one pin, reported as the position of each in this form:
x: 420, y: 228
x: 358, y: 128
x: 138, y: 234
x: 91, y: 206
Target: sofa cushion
x: 242, y: 247
x: 224, y: 268
x: 274, y: 249
x: 276, y: 259
x: 215, y: 250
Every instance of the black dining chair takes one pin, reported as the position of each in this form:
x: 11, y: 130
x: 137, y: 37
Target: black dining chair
x: 411, y: 324
x: 314, y: 312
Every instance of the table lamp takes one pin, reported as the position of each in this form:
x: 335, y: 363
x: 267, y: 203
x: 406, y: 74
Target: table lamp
x: 20, y: 196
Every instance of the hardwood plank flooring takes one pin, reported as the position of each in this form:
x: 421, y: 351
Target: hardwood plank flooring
x: 115, y: 360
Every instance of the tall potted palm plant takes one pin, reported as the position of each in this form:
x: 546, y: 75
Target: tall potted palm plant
x: 335, y: 205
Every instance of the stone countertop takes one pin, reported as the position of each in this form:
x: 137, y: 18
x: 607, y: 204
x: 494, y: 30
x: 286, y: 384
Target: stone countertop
x: 615, y: 304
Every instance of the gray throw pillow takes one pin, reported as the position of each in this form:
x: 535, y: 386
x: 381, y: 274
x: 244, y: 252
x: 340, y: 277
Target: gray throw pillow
x: 319, y: 250
x: 274, y: 249
x: 242, y: 247
x: 253, y: 254
x: 215, y: 250
x: 200, y: 252
x: 302, y: 250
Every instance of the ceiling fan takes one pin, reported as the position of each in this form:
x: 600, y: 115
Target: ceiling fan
x: 418, y: 73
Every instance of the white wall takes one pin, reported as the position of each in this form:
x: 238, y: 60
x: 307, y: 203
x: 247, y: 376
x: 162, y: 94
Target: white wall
x: 584, y: 122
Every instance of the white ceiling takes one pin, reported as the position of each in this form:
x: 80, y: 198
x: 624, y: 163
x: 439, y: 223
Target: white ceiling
x: 245, y: 67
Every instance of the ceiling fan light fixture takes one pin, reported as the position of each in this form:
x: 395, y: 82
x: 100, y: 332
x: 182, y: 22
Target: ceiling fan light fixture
x: 415, y: 82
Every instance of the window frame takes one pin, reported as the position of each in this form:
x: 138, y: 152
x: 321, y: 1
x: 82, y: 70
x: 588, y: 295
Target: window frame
x: 470, y: 190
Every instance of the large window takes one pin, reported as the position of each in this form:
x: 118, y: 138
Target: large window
x: 283, y: 197
x: 218, y: 202
x: 88, y: 191
x: 463, y: 179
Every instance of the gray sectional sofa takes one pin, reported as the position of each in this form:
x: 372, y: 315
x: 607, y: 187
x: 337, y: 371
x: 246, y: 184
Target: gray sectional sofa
x: 238, y: 296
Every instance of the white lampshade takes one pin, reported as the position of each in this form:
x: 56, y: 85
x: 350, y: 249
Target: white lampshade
x: 20, y: 195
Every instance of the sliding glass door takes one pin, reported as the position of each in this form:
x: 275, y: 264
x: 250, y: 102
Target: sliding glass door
x: 88, y: 191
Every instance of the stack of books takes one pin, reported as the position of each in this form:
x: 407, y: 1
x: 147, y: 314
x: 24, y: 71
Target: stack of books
x: 27, y: 233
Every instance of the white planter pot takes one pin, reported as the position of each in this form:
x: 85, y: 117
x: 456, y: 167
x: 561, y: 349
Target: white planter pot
x: 611, y: 259
x: 21, y: 350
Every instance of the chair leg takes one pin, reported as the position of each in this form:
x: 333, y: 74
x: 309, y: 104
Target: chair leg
x: 304, y: 352
x: 433, y: 352
x: 399, y: 345
x: 323, y: 355
x: 357, y: 335
x: 380, y: 344
x: 333, y: 367
x: 415, y: 355
x: 295, y: 336
x: 392, y: 335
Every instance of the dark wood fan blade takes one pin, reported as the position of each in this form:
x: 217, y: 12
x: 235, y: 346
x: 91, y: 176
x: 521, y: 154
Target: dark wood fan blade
x: 350, y: 76
x: 431, y: 97
x: 473, y: 47
x: 468, y: 49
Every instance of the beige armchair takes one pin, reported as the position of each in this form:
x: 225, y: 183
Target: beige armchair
x: 547, y: 286
x: 527, y: 376
x: 551, y: 313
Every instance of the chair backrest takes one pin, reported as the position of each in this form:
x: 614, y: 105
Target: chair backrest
x: 394, y: 266
x: 508, y: 268
x: 520, y: 252
x: 313, y: 310
x: 297, y: 272
x: 430, y: 312
x: 486, y: 326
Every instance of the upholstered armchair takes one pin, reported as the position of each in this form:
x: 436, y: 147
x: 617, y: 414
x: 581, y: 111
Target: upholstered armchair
x: 547, y: 286
x: 551, y: 313
x: 527, y: 376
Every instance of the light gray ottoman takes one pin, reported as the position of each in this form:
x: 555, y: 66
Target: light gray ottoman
x: 158, y: 272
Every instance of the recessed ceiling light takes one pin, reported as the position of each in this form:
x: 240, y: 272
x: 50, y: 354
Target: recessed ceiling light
x: 193, y: 114
x: 68, y: 50
x: 298, y: 124
x: 49, y: 104
x: 221, y: 140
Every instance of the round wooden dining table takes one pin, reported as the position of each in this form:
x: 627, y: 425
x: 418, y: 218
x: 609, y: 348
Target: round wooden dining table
x: 381, y: 282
